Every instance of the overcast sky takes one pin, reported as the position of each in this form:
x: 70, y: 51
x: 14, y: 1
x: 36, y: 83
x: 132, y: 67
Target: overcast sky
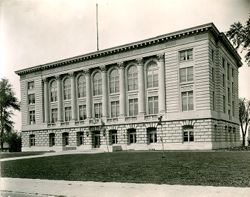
x: 33, y: 32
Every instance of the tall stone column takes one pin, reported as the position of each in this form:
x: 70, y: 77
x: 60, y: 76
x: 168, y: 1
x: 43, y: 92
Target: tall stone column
x: 161, y: 82
x: 59, y: 98
x: 46, y: 100
x: 73, y: 95
x: 88, y: 94
x: 104, y: 92
x: 122, y: 103
x: 141, y: 87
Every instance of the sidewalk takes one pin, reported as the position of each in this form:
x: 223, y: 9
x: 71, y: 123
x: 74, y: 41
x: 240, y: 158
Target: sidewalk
x: 36, y: 187
x: 51, y: 154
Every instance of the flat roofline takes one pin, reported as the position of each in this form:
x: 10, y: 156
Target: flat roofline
x: 134, y: 45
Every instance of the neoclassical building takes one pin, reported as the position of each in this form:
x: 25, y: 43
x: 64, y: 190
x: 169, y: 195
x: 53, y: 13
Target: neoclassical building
x: 113, y: 99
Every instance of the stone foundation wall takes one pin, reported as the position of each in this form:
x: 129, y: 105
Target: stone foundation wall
x: 208, y: 134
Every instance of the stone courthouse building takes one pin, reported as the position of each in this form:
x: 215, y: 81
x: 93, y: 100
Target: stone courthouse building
x: 113, y: 98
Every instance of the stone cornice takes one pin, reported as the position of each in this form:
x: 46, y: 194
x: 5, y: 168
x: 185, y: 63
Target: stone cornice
x: 137, y: 45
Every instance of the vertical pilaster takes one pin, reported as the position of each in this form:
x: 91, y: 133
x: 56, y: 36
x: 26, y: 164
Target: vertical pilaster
x: 104, y: 92
x: 141, y: 87
x: 59, y: 98
x: 46, y: 100
x: 122, y: 89
x: 162, y: 89
x: 88, y: 94
x: 73, y: 95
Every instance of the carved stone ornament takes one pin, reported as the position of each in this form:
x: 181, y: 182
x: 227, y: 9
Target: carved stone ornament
x: 103, y: 68
x: 139, y: 61
x: 160, y: 57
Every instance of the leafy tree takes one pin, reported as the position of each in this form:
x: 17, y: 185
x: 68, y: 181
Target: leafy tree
x: 240, y: 37
x: 244, y: 116
x: 14, y: 141
x: 8, y: 102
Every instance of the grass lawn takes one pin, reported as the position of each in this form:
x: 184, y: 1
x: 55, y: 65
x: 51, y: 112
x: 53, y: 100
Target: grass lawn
x: 18, y: 154
x: 193, y: 168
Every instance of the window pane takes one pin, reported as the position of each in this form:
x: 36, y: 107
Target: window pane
x: 183, y: 75
x: 190, y: 74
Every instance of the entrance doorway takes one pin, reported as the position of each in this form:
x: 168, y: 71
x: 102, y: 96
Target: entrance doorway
x: 96, y: 139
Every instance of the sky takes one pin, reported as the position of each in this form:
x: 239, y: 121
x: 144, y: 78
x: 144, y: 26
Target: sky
x: 34, y: 32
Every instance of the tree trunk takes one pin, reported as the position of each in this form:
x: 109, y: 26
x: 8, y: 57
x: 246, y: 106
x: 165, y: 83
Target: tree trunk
x: 243, y: 139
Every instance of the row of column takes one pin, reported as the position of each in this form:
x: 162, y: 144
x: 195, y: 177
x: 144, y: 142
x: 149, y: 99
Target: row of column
x: 122, y: 99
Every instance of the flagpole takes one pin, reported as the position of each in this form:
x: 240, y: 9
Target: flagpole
x: 97, y: 31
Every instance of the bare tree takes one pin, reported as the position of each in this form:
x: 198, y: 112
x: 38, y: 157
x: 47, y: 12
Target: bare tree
x: 244, y: 116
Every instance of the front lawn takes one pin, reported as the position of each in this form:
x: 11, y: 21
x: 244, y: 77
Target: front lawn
x: 192, y: 168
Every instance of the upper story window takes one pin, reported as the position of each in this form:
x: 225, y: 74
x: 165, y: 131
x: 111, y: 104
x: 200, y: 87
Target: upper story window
x: 187, y: 101
x: 186, y: 55
x: 132, y: 78
x: 232, y: 72
x: 114, y: 81
x: 223, y: 63
x: 228, y: 71
x: 82, y: 112
x: 67, y: 114
x: 32, y: 117
x: 31, y: 99
x: 31, y: 85
x: 186, y: 74
x: 153, y: 105
x: 133, y: 107
x: 67, y: 89
x: 53, y: 91
x: 97, y: 83
x: 114, y: 109
x: 81, y: 85
x: 212, y: 54
x: 98, y: 110
x: 152, y: 75
x: 54, y: 115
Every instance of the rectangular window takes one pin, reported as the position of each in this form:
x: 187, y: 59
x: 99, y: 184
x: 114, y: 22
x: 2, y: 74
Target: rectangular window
x: 31, y: 85
x: 188, y: 134
x: 226, y: 134
x: 212, y: 54
x: 187, y: 101
x: 152, y: 135
x: 132, y: 136
x: 51, y: 139
x: 82, y: 112
x: 186, y: 55
x: 229, y: 96
x: 223, y: 63
x: 114, y: 109
x: 213, y: 100
x: 133, y: 107
x: 213, y: 75
x: 67, y: 114
x: 224, y: 104
x: 232, y: 72
x: 32, y: 117
x: 80, y: 138
x: 186, y: 74
x: 98, y: 110
x: 223, y: 80
x: 114, y: 137
x: 54, y: 115
x: 153, y: 105
x: 233, y: 108
x: 232, y: 87
x: 31, y: 99
x: 228, y: 71
x: 32, y: 140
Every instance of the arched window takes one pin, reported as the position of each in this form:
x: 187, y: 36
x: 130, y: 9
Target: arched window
x: 66, y: 89
x: 53, y: 91
x: 114, y: 81
x: 152, y: 75
x: 132, y: 78
x: 81, y: 84
x: 97, y: 83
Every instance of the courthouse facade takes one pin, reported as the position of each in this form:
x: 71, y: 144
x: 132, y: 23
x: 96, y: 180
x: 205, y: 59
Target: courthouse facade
x: 113, y: 99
